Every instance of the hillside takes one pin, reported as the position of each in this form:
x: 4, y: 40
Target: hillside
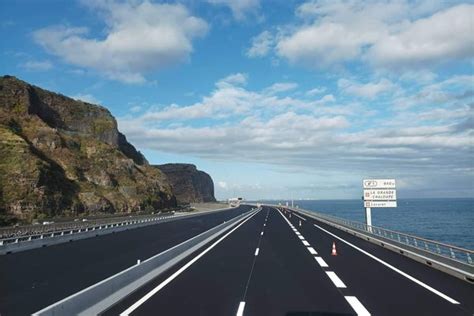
x: 59, y: 156
x: 190, y: 185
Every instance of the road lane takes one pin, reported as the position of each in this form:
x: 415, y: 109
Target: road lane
x: 212, y: 285
x: 381, y: 289
x: 286, y: 278
x: 34, y: 279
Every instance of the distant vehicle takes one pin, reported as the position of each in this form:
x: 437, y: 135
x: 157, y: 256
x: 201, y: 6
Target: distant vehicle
x: 234, y: 202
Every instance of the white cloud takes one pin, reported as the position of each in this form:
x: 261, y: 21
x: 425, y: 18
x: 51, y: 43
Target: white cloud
x: 135, y: 109
x: 230, y: 98
x: 390, y: 34
x: 446, y: 35
x: 281, y: 87
x: 222, y: 184
x: 140, y: 36
x: 315, y: 91
x: 261, y: 45
x: 240, y: 8
x: 89, y: 98
x: 368, y: 90
x: 37, y: 65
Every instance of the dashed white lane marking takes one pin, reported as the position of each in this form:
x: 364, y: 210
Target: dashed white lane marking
x: 335, y: 279
x: 174, y: 275
x: 305, y: 243
x: 256, y: 251
x: 300, y: 237
x: 357, y: 306
x: 261, y: 234
x: 312, y: 251
x: 264, y: 224
x: 406, y: 275
x: 298, y: 233
x: 321, y: 262
x: 240, y: 311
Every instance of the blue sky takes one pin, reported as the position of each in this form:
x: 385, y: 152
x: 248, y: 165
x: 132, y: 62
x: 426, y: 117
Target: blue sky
x: 274, y: 99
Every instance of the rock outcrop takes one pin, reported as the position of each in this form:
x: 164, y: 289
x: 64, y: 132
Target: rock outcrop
x: 59, y: 156
x: 189, y: 184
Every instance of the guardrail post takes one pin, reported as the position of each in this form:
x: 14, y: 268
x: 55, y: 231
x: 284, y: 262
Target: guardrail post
x: 452, y: 253
x: 469, y: 258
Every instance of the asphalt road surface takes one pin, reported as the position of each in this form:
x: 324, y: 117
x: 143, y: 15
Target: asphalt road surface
x: 34, y: 279
x: 270, y: 265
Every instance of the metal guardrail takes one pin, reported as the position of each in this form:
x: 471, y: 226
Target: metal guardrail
x: 33, y: 232
x: 446, y: 251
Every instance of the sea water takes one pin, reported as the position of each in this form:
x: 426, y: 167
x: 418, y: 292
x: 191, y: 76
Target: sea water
x: 449, y: 221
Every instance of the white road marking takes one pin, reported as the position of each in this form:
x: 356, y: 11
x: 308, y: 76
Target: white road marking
x: 261, y: 234
x: 264, y: 224
x: 256, y: 251
x: 300, y: 237
x: 240, y: 311
x: 312, y: 251
x: 357, y: 306
x: 321, y: 262
x: 305, y: 243
x: 298, y: 233
x: 174, y: 275
x: 300, y: 217
x: 406, y: 275
x: 335, y: 279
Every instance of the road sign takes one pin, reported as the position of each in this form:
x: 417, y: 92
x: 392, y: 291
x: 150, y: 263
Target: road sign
x: 380, y: 204
x: 379, y: 183
x: 380, y: 195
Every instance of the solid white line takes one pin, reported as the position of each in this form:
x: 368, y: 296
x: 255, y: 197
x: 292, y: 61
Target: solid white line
x: 240, y: 311
x: 312, y: 251
x: 256, y: 251
x: 305, y: 243
x: 357, y: 306
x: 321, y: 262
x: 335, y: 279
x: 406, y: 275
x: 174, y: 275
x: 300, y: 217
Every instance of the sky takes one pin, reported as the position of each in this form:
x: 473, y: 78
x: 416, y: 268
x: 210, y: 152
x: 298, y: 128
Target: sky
x: 274, y: 99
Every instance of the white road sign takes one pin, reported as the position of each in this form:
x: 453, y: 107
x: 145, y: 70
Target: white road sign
x: 380, y: 204
x: 380, y: 195
x: 379, y: 183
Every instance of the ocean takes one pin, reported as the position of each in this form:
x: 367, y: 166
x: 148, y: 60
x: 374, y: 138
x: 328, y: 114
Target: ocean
x: 449, y: 221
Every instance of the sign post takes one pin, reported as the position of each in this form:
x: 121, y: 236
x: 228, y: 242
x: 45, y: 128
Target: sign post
x: 378, y: 193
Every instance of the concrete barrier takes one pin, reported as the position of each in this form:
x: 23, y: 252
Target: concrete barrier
x: 102, y: 295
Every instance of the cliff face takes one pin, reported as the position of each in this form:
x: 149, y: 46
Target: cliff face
x: 189, y: 184
x: 59, y: 156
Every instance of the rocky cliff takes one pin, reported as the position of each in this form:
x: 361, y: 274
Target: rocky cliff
x: 59, y: 156
x: 189, y: 184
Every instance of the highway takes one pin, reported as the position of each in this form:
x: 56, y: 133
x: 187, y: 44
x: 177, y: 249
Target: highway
x: 34, y: 279
x: 270, y: 265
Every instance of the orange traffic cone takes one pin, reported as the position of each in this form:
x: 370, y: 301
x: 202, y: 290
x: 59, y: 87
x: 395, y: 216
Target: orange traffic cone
x: 333, y: 252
